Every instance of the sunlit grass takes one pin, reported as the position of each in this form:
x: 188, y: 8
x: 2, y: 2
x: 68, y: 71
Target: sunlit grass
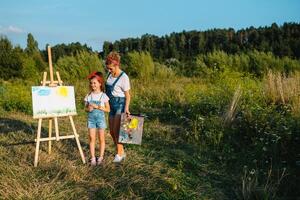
x: 150, y: 171
x: 186, y: 151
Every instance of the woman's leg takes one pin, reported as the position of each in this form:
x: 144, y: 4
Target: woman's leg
x: 111, y: 131
x: 92, y: 138
x: 101, y: 136
x: 111, y: 128
x: 116, y: 128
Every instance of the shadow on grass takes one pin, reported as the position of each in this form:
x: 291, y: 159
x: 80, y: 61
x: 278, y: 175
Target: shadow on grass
x: 11, y: 125
x: 8, y: 125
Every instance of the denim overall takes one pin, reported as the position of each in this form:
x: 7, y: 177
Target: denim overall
x: 96, y: 118
x: 117, y: 104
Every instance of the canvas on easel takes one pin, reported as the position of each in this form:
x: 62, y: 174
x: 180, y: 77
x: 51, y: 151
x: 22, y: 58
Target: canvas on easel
x: 51, y: 101
x: 131, y: 129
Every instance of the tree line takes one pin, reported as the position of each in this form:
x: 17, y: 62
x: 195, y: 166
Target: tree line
x: 280, y: 40
x: 30, y: 62
x: 192, y: 53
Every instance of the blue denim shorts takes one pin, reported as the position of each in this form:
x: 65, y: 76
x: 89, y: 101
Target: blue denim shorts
x: 117, y: 105
x: 96, y: 119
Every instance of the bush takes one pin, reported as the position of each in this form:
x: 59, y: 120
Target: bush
x: 163, y: 72
x: 29, y: 69
x: 76, y: 67
x: 16, y: 97
x: 139, y: 64
x: 254, y: 62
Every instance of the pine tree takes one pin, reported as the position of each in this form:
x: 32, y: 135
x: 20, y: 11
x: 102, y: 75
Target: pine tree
x: 32, y: 45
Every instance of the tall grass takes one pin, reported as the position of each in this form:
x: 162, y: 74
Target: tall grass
x: 251, y: 188
x: 232, y: 110
x: 282, y: 89
x: 150, y: 171
x: 187, y: 152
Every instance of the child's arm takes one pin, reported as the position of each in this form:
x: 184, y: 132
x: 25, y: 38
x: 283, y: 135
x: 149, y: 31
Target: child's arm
x: 88, y: 107
x: 105, y: 108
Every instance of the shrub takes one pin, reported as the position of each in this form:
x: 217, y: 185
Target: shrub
x: 16, y: 97
x: 139, y: 64
x: 163, y: 72
x: 76, y: 67
x: 29, y: 69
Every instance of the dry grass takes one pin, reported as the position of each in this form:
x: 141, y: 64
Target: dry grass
x: 231, y: 112
x: 151, y: 172
x: 283, y: 90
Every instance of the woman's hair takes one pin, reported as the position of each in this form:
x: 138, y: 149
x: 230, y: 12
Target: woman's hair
x: 113, y: 58
x: 99, y: 77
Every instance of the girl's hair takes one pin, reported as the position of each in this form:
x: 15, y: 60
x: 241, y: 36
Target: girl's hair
x: 113, y: 58
x: 99, y: 77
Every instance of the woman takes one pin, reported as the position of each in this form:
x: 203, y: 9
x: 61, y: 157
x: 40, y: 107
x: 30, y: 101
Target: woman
x: 117, y: 89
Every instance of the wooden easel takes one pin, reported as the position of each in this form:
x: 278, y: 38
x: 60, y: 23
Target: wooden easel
x: 53, y: 83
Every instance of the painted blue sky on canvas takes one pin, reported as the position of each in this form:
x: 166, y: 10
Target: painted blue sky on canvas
x: 95, y: 21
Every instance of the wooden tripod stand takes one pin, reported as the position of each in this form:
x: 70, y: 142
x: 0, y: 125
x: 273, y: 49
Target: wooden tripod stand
x: 53, y: 83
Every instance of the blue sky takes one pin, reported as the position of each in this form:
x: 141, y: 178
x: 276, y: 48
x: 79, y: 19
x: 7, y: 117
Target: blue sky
x: 95, y: 21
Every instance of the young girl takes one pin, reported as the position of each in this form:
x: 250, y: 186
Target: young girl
x: 96, y: 103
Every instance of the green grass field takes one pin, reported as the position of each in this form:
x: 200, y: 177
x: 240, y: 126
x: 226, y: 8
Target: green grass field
x: 203, y: 139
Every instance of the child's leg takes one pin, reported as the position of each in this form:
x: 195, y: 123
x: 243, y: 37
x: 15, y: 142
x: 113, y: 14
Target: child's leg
x: 92, y: 138
x: 101, y: 136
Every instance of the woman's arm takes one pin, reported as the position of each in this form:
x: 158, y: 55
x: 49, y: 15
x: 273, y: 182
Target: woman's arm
x: 127, y: 102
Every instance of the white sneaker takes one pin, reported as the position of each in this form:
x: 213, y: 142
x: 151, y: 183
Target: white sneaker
x: 93, y: 162
x: 99, y: 160
x: 119, y: 158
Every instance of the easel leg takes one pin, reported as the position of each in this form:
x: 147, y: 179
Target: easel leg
x: 77, y: 140
x: 56, y: 128
x: 50, y: 135
x: 36, y: 157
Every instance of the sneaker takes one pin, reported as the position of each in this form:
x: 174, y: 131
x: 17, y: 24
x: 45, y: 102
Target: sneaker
x: 119, y: 158
x: 99, y: 160
x: 93, y: 161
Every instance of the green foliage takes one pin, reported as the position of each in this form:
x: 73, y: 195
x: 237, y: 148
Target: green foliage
x: 32, y: 45
x: 76, y: 67
x: 10, y: 60
x: 162, y: 71
x: 15, y: 97
x: 15, y: 63
x: 139, y: 64
x: 213, y: 64
x: 61, y: 50
x: 29, y: 69
x: 280, y: 40
x: 107, y: 47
